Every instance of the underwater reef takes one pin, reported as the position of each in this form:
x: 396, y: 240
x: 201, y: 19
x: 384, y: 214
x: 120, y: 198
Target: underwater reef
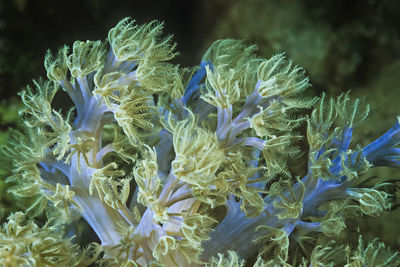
x: 190, y: 166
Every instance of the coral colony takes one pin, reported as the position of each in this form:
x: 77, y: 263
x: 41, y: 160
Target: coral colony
x: 175, y: 166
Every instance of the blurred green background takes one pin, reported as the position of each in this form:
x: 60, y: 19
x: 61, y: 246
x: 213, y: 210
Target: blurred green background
x: 343, y: 45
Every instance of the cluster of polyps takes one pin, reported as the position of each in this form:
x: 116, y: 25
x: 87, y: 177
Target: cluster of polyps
x: 177, y: 166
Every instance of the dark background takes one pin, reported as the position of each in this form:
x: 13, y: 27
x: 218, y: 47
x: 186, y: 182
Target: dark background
x: 342, y: 44
x: 29, y: 28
